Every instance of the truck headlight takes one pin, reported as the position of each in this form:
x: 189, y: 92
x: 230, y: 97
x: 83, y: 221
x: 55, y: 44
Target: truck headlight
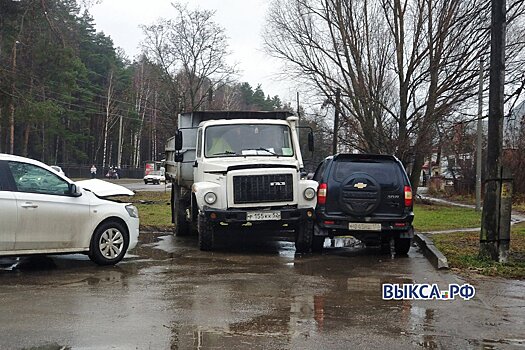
x: 132, y: 211
x: 210, y: 197
x: 309, y: 193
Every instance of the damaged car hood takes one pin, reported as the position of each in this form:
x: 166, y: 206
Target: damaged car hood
x: 104, y: 188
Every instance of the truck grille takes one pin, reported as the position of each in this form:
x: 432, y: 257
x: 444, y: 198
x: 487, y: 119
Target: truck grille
x: 262, y: 188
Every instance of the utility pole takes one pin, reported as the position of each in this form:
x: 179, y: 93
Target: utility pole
x: 489, y: 236
x: 479, y: 150
x: 336, y: 119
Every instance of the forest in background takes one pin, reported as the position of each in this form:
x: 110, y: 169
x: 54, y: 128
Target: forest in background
x: 69, y: 97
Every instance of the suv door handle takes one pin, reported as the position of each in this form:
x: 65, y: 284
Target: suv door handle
x: 29, y: 205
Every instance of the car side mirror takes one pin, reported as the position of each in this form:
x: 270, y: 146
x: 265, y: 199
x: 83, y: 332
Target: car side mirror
x: 178, y: 140
x: 74, y: 190
x: 311, y: 141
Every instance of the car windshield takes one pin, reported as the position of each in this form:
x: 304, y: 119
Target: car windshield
x: 248, y: 140
x: 158, y: 173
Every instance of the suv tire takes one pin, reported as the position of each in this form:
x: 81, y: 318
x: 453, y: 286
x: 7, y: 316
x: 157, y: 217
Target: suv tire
x: 402, y: 245
x: 304, y: 235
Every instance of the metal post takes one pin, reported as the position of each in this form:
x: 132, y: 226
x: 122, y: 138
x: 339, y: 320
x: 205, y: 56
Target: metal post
x: 479, y: 150
x: 336, y: 119
x: 491, y: 217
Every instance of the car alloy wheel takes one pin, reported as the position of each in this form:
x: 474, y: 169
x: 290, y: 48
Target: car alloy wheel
x: 111, y: 243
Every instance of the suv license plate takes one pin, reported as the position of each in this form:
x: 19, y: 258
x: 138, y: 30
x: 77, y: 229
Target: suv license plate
x: 263, y: 215
x: 361, y: 226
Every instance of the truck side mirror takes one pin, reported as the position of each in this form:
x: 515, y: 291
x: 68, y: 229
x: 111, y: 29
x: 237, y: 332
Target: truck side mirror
x: 311, y: 141
x: 179, y: 157
x: 178, y: 140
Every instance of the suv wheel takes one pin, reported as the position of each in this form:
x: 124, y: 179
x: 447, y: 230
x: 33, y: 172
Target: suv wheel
x: 304, y: 235
x: 317, y: 241
x: 109, y: 243
x: 402, y: 245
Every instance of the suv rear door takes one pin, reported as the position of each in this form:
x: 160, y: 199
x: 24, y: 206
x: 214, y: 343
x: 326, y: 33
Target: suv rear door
x: 366, y: 187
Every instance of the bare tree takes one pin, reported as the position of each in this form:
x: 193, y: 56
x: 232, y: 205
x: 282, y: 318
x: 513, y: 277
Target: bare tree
x: 403, y: 66
x: 192, y: 49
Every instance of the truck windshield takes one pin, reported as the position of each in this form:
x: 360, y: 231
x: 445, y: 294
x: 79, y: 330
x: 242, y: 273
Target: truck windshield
x: 248, y: 140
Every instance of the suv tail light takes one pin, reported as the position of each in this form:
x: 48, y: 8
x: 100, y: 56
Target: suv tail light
x: 408, y: 196
x: 321, y: 194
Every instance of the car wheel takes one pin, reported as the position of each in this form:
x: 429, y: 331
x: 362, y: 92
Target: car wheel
x: 145, y: 182
x: 109, y: 243
x: 318, y: 244
x: 206, y: 233
x: 304, y: 235
x: 318, y: 241
x: 402, y: 245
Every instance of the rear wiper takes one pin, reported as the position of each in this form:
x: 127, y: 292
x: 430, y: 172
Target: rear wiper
x: 225, y: 153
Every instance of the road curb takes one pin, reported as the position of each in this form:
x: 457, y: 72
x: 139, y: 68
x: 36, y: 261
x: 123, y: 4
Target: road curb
x: 433, y: 254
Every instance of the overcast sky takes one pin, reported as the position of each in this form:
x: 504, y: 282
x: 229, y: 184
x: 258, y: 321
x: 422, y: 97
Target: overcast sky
x: 243, y: 21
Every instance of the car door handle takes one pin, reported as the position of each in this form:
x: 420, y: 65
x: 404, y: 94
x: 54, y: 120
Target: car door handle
x: 29, y: 205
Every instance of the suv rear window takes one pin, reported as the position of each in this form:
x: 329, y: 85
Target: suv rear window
x: 386, y: 173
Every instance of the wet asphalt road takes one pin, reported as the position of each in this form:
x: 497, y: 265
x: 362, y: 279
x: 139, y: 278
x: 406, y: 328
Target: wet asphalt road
x: 169, y: 295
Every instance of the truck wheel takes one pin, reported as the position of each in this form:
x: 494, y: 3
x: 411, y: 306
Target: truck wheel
x: 402, y: 245
x: 304, y: 235
x: 178, y: 212
x: 206, y: 233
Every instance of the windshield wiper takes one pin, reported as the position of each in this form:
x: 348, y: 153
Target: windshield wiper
x: 262, y: 149
x: 225, y: 153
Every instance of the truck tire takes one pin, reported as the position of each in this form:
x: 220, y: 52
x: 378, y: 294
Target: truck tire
x: 178, y: 212
x: 206, y: 233
x: 304, y: 235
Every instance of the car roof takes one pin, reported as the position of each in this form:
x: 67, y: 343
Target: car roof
x: 363, y: 156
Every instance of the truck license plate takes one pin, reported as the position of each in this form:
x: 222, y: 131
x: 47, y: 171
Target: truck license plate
x: 361, y: 226
x: 263, y: 215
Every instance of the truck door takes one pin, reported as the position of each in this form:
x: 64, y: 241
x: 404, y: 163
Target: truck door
x: 198, y: 156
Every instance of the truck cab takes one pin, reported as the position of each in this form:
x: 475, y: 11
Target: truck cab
x: 236, y: 170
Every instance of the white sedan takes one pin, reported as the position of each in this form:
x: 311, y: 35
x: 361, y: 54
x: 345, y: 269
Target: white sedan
x: 155, y: 177
x: 43, y: 212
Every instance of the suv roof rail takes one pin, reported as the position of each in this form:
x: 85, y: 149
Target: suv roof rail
x: 363, y: 156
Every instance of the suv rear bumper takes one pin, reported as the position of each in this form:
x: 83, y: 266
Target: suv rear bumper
x: 290, y: 216
x: 335, y: 225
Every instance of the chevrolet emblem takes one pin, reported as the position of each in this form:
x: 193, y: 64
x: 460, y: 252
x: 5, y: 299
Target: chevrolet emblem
x: 360, y: 185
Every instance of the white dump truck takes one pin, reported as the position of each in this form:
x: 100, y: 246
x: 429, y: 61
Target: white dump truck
x: 236, y: 171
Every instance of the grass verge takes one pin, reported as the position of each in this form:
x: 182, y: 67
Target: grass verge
x: 436, y: 217
x: 462, y: 248
x: 154, y: 210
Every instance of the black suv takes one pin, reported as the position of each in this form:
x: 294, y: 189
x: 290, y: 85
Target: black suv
x: 366, y: 196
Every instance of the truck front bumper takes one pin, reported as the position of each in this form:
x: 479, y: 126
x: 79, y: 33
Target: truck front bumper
x: 288, y: 216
